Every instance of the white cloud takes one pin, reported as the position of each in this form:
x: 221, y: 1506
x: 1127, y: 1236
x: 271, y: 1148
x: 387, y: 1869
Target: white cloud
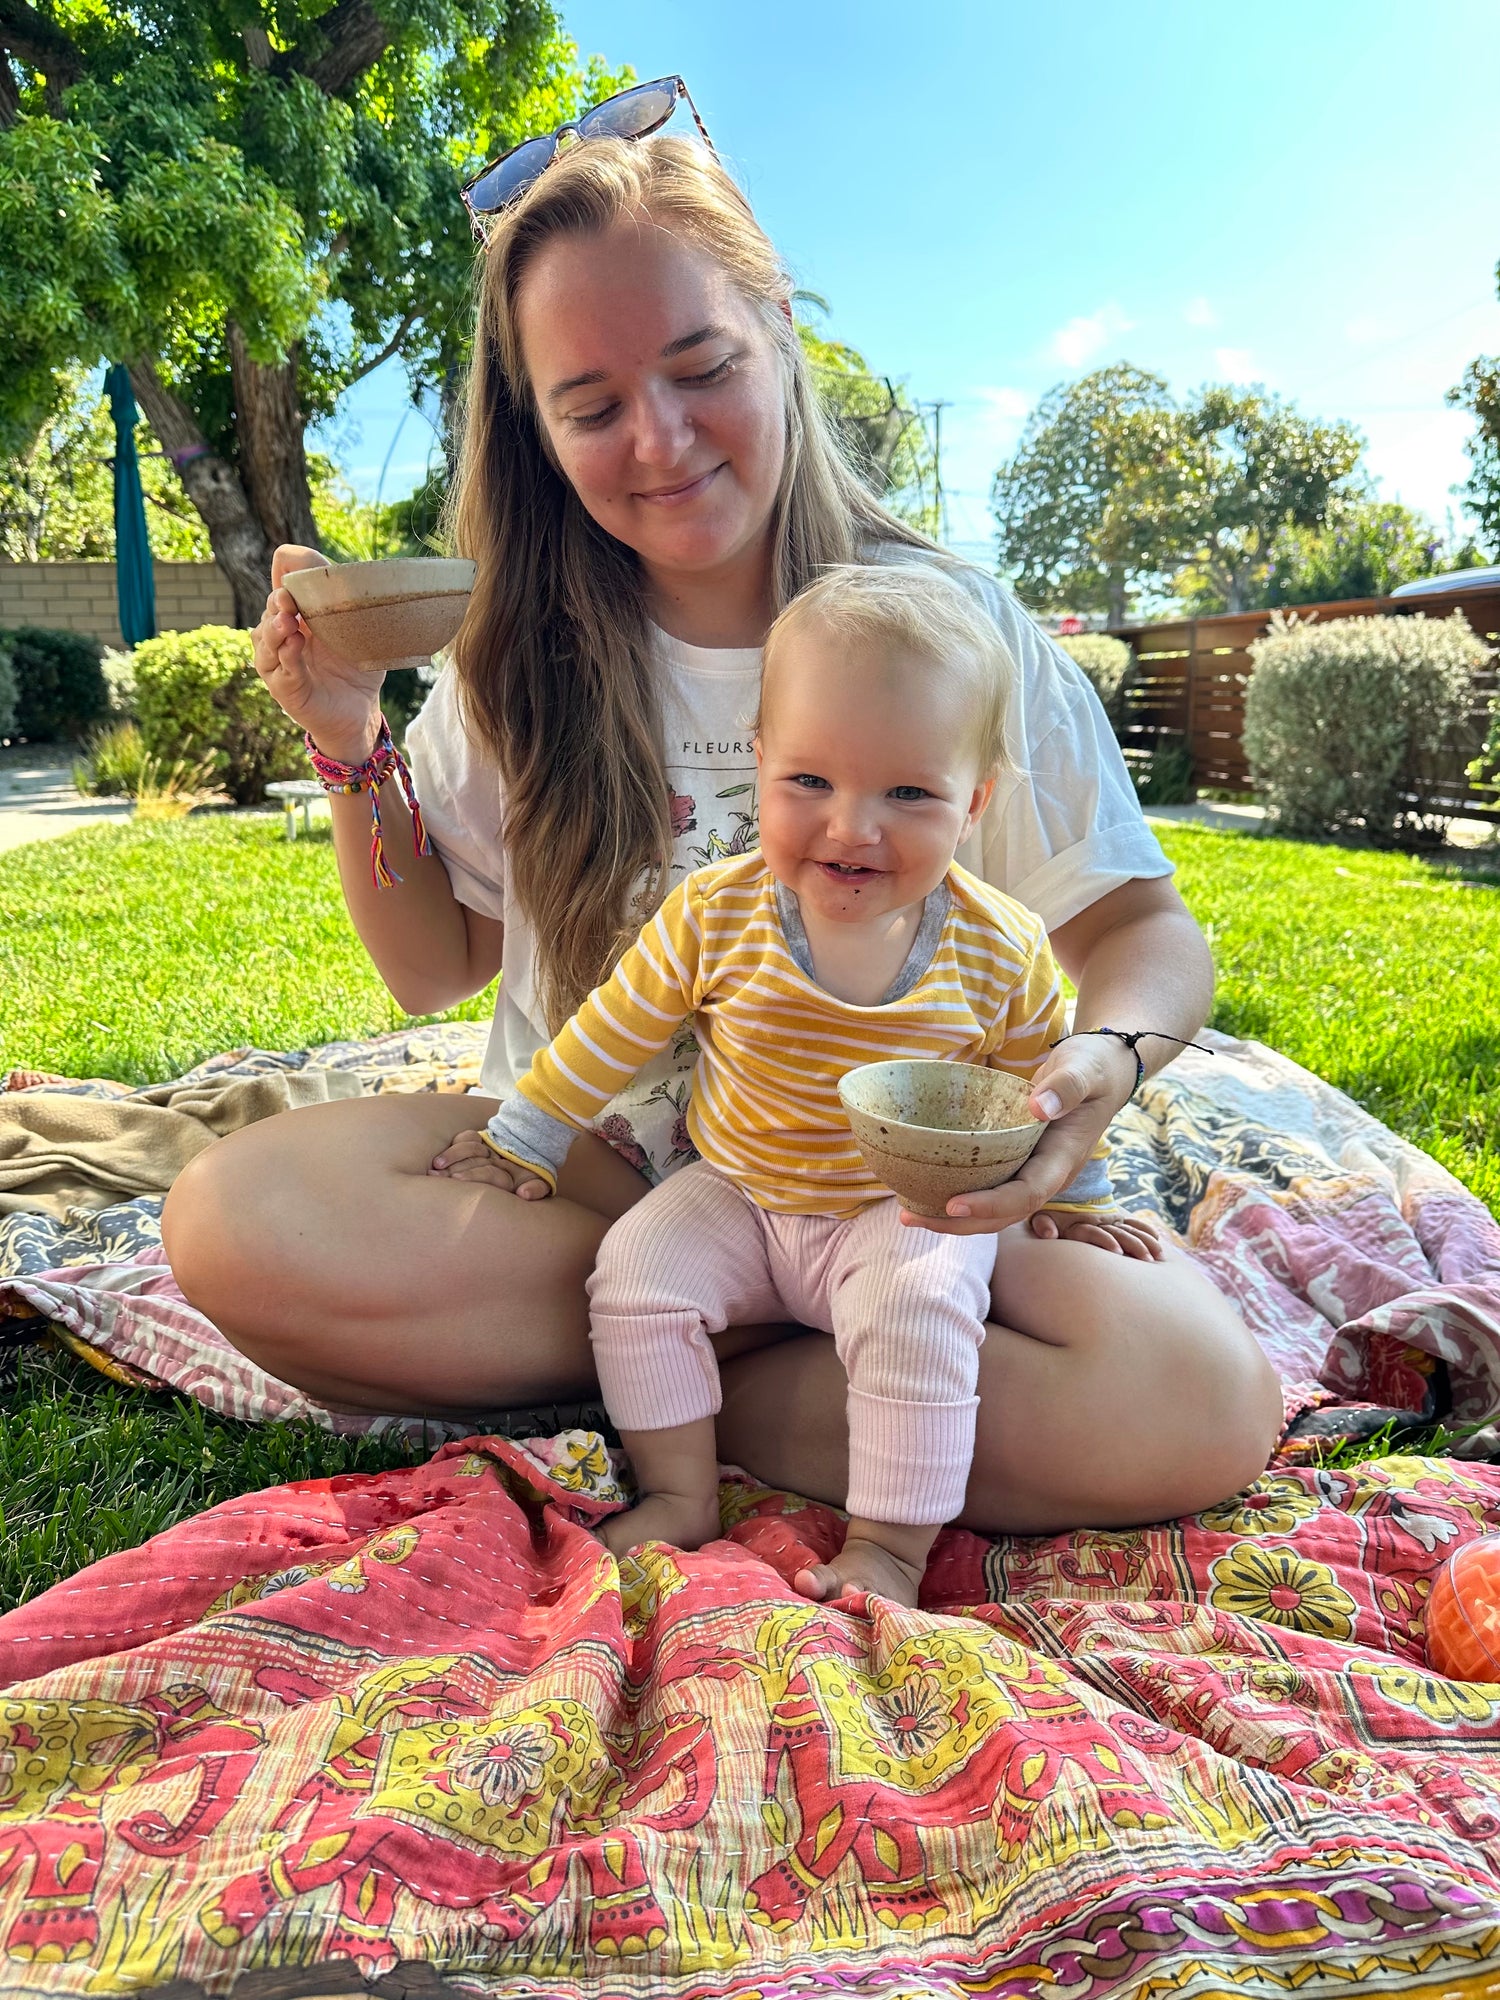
x: 1005, y: 402
x: 1235, y: 364
x: 1200, y: 313
x: 1083, y: 337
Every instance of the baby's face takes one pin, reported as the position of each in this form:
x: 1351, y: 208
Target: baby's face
x: 869, y: 780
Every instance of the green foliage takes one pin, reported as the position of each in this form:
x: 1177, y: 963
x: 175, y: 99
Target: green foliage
x: 1485, y: 769
x: 1245, y: 468
x: 117, y: 765
x: 1075, y: 506
x: 8, y: 692
x: 880, y: 429
x: 1365, y: 548
x: 198, y: 697
x: 59, y: 683
x: 1106, y: 661
x: 1479, y: 393
x: 1341, y: 717
x: 57, y: 501
x: 282, y: 168
x: 1114, y: 487
x: 1163, y: 775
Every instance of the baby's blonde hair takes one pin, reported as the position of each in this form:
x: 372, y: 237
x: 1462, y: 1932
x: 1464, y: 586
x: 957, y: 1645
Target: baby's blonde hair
x: 919, y: 610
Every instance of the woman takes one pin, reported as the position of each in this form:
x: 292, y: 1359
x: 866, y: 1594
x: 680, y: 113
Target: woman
x: 645, y: 481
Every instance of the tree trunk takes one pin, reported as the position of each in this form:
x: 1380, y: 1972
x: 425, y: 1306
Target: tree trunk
x: 1116, y: 598
x: 212, y: 484
x: 269, y: 424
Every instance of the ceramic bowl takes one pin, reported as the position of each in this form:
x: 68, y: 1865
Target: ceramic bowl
x: 931, y: 1130
x: 396, y: 613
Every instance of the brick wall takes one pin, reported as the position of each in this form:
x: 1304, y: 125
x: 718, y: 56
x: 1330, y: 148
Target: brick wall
x: 80, y: 597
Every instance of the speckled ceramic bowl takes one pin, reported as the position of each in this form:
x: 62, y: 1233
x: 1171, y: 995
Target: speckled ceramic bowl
x: 931, y: 1130
x: 396, y: 613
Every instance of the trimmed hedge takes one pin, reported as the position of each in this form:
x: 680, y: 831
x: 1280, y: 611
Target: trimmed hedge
x: 198, y: 697
x: 1342, y: 717
x: 60, y: 691
x: 1107, y: 662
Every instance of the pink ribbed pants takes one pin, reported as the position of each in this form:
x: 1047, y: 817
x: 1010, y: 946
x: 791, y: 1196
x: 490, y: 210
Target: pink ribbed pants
x: 906, y: 1308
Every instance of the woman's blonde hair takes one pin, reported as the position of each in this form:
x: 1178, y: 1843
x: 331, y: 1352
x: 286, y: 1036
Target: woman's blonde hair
x: 927, y: 616
x: 554, y: 663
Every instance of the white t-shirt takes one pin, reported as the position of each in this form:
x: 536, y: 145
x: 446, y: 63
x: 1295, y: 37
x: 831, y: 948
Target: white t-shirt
x: 1063, y: 828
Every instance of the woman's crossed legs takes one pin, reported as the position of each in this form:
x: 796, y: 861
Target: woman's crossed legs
x: 1112, y: 1391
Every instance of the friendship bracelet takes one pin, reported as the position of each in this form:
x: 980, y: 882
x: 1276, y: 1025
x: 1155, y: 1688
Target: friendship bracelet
x: 1130, y: 1039
x: 384, y: 761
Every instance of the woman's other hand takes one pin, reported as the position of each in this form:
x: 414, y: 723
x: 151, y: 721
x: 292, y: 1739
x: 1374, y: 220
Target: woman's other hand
x: 1077, y: 1090
x: 337, y: 701
x: 466, y: 1157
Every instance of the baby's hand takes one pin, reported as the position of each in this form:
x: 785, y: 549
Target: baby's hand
x: 1122, y: 1234
x: 466, y: 1157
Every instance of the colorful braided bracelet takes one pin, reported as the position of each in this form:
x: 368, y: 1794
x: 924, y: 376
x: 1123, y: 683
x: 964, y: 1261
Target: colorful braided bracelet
x: 384, y: 761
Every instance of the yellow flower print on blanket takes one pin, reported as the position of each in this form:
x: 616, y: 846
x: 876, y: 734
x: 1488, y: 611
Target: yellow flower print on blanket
x: 1282, y: 1588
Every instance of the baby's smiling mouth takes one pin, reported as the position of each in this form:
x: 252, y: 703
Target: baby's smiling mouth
x: 846, y: 870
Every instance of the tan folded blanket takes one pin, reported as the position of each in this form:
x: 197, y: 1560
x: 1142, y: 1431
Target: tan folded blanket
x: 59, y: 1152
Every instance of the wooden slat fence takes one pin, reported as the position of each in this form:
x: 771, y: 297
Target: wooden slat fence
x: 1190, y: 677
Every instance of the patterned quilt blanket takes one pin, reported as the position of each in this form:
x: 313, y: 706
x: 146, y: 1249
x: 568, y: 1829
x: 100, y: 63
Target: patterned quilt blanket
x: 421, y: 1715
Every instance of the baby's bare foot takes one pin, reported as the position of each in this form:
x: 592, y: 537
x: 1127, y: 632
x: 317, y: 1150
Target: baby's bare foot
x: 674, y: 1518
x: 861, y: 1565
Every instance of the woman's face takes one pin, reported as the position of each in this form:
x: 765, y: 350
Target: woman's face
x: 661, y: 393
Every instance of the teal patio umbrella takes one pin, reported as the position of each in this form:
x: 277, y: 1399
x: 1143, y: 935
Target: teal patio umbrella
x: 134, y: 584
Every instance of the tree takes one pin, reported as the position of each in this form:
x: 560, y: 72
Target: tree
x: 1366, y: 548
x: 1245, y: 467
x: 1479, y: 392
x: 57, y: 500
x: 1080, y: 505
x: 881, y: 430
x: 254, y: 203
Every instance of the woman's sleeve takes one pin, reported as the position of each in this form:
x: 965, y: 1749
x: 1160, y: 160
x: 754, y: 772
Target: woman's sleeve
x: 458, y: 788
x: 1065, y: 826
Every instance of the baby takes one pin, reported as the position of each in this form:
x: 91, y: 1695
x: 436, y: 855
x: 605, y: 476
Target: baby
x: 852, y: 936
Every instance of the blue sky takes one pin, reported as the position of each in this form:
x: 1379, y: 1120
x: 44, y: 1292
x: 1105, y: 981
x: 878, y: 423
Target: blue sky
x: 995, y: 198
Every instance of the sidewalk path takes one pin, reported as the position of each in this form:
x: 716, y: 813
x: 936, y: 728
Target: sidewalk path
x: 38, y: 799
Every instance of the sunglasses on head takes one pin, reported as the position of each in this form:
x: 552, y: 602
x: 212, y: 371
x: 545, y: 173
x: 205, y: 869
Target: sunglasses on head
x: 629, y: 114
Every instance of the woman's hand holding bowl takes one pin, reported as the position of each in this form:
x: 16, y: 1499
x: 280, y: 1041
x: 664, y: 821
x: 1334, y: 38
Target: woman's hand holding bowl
x: 1077, y: 1091
x: 337, y: 701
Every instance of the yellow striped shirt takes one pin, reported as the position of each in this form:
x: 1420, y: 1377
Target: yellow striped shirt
x: 727, y: 948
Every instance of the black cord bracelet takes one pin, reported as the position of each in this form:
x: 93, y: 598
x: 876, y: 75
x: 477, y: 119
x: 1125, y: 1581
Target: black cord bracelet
x: 1130, y: 1038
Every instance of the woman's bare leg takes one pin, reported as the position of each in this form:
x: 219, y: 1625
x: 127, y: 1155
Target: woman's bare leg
x: 319, y: 1243
x: 1116, y: 1392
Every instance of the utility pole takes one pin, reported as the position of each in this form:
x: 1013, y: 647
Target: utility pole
x: 940, y: 498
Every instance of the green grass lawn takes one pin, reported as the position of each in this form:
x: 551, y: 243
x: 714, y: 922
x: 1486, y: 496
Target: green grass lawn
x: 135, y: 951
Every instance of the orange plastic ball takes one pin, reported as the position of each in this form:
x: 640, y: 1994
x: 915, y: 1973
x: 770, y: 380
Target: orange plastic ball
x: 1463, y: 1613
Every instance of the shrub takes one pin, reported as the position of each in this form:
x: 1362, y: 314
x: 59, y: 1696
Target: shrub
x: 197, y: 696
x: 119, y: 766
x: 7, y: 694
x: 1485, y: 769
x: 1341, y: 718
x: 1107, y: 662
x: 1163, y: 776
x: 60, y: 687
x: 119, y: 683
